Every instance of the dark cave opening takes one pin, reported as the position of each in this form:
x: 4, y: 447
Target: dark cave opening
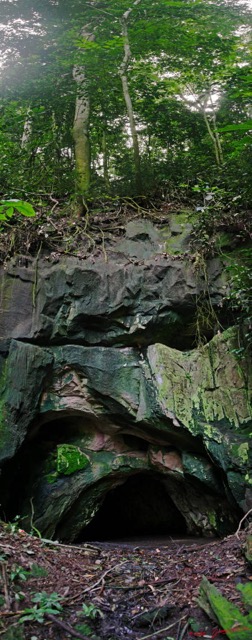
x: 132, y: 502
x: 140, y: 506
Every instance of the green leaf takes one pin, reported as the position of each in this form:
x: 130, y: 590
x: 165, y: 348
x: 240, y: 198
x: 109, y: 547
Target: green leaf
x: 9, y: 212
x: 26, y: 209
x: 245, y: 126
x: 33, y: 614
x: 7, y: 203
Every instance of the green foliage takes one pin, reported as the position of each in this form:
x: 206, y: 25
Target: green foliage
x: 84, y: 628
x: 44, y: 603
x: 18, y: 573
x: 8, y: 207
x: 240, y: 295
x: 37, y: 572
x: 89, y: 612
x: 189, y: 83
x: 14, y: 633
x: 245, y: 126
x: 14, y: 526
x: 209, y: 203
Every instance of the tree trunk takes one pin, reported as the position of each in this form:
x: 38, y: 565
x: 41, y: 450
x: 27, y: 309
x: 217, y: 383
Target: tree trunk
x: 82, y: 150
x: 212, y: 130
x: 27, y: 130
x: 202, y: 103
x: 127, y: 97
x: 105, y: 160
x: 215, y: 140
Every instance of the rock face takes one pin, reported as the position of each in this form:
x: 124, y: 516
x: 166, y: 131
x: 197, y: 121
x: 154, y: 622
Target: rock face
x: 106, y: 401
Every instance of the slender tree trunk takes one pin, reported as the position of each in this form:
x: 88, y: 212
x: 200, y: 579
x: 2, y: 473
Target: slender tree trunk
x: 81, y: 139
x: 127, y: 97
x: 212, y: 131
x: 217, y: 137
x: 105, y: 159
x: 210, y: 122
x: 215, y: 140
x: 27, y: 130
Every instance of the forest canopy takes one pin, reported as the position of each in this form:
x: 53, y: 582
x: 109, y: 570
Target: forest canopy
x: 130, y: 97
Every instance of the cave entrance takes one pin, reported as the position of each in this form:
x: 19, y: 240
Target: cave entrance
x: 141, y: 506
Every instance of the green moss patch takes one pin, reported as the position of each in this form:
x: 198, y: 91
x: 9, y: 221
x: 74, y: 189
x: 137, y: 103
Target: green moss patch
x: 236, y: 625
x: 70, y: 459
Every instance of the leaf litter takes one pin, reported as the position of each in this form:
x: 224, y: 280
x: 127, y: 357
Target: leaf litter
x: 115, y: 591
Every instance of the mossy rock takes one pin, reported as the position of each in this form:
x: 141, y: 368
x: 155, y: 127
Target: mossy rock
x: 246, y: 593
x: 196, y: 466
x: 177, y: 235
x: 236, y: 625
x: 70, y: 459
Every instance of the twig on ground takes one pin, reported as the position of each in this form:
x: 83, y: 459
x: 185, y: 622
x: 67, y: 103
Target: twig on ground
x: 85, y: 547
x: 103, y: 246
x: 101, y: 580
x: 157, y: 583
x: 103, y: 576
x: 181, y: 632
x: 7, y: 546
x: 55, y: 201
x: 66, y: 627
x: 5, y: 586
x: 4, y: 614
x: 241, y: 521
x: 156, y: 633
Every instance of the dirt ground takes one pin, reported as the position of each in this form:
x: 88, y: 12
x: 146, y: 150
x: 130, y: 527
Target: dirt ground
x: 56, y: 230
x: 114, y: 591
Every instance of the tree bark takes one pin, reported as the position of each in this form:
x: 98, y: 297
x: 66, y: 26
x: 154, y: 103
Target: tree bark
x: 82, y: 150
x: 105, y: 160
x: 127, y: 97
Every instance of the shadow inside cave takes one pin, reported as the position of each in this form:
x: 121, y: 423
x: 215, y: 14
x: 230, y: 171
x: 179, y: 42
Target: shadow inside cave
x: 140, y: 506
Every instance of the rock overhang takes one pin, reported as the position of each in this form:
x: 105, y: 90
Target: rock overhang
x: 88, y: 401
x: 93, y: 302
